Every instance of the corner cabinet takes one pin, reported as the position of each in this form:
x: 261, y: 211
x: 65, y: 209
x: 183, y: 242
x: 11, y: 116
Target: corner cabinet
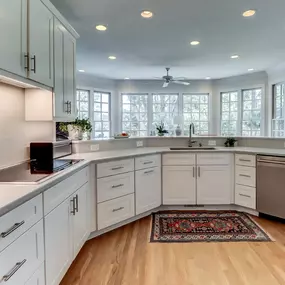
x: 64, y: 73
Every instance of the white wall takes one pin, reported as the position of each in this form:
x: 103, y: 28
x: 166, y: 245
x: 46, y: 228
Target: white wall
x: 15, y: 132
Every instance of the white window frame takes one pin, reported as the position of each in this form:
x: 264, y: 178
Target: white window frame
x: 91, y: 106
x: 239, y: 89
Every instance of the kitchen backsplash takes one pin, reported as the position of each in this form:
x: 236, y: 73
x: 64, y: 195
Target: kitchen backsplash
x: 15, y: 132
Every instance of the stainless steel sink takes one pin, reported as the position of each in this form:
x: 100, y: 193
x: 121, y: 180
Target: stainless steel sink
x: 193, y: 148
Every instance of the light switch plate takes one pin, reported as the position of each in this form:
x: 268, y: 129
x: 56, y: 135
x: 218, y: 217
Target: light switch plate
x: 284, y: 144
x: 212, y: 143
x: 139, y: 143
x: 94, y: 147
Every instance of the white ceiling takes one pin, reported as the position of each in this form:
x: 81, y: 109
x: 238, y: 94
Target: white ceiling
x: 144, y: 47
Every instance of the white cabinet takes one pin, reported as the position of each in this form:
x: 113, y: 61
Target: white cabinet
x: 40, y: 43
x: 13, y: 29
x: 81, y: 218
x: 148, y: 189
x: 179, y: 185
x: 58, y: 238
x: 38, y: 277
x: 64, y: 72
x: 214, y: 185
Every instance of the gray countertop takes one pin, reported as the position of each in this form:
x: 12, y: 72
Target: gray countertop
x: 13, y: 195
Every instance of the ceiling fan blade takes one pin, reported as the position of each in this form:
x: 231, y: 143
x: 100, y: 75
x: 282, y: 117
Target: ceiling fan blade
x: 157, y: 78
x: 165, y: 84
x: 181, y: 82
x: 180, y: 78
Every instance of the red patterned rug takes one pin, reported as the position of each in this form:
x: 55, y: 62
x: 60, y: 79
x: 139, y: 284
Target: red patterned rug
x: 205, y: 226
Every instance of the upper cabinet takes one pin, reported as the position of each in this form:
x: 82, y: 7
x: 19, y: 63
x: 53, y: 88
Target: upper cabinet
x: 13, y: 30
x: 40, y: 38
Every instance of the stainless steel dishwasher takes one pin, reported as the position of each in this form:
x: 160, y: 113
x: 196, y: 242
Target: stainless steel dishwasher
x: 270, y: 185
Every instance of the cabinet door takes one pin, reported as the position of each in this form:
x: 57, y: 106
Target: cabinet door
x: 179, y: 185
x: 41, y: 43
x: 214, y: 185
x: 70, y: 73
x: 60, y: 108
x: 58, y: 247
x: 148, y: 189
x: 38, y: 277
x: 81, y: 218
x: 13, y: 30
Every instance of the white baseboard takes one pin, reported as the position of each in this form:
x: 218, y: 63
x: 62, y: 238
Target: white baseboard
x: 174, y: 208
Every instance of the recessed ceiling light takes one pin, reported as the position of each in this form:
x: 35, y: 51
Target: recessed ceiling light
x: 250, y: 69
x: 248, y: 13
x: 81, y: 70
x: 235, y: 56
x: 195, y: 43
x: 126, y: 78
x: 146, y: 14
x: 101, y: 28
x: 112, y: 57
x: 208, y: 78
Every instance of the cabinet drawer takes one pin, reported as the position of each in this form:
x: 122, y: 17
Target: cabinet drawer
x: 115, y: 211
x: 115, y: 186
x: 115, y: 167
x: 214, y: 158
x: 147, y: 161
x: 58, y: 193
x: 16, y: 222
x: 245, y: 176
x: 21, y: 259
x: 245, y: 160
x: 179, y: 159
x: 245, y: 196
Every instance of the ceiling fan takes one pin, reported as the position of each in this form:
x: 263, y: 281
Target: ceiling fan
x: 170, y: 79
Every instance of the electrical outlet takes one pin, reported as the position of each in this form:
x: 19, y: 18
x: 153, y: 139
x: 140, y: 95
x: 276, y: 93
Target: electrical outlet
x: 139, y: 143
x: 212, y: 143
x: 94, y: 147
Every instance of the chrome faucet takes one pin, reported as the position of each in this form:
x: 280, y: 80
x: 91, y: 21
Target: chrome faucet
x: 190, y: 142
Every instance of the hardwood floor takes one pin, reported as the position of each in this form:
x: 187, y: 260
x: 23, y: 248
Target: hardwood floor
x: 125, y: 256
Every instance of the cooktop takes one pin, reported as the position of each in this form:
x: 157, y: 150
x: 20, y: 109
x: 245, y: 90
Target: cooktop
x: 22, y: 173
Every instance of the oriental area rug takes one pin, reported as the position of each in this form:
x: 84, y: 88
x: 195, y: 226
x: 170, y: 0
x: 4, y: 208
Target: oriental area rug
x: 205, y: 226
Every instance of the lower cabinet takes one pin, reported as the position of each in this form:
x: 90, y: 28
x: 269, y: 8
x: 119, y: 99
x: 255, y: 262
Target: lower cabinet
x: 23, y: 257
x: 114, y: 211
x: 148, y: 189
x: 38, y: 277
x: 179, y: 185
x: 66, y: 230
x: 213, y: 185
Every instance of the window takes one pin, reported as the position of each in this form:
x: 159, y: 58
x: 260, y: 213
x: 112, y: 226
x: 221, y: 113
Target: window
x: 278, y: 110
x: 82, y: 100
x: 251, y: 112
x: 101, y: 115
x: 196, y: 110
x: 135, y: 114
x: 164, y: 109
x: 229, y: 113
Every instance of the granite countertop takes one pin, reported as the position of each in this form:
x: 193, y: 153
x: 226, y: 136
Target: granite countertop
x: 13, y: 195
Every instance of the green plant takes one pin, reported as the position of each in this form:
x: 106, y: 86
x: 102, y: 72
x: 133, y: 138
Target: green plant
x: 161, y: 129
x: 83, y: 124
x: 230, y: 141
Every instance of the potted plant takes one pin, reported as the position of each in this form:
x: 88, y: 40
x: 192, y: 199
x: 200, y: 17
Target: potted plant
x: 77, y: 128
x: 230, y: 142
x: 161, y: 131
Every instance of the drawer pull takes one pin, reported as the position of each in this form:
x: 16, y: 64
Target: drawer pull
x: 118, y: 209
x: 12, y: 229
x: 76, y: 203
x: 14, y: 270
x: 244, y: 175
x: 244, y: 160
x: 148, y: 171
x: 148, y: 162
x: 117, y: 168
x: 243, y: 195
x: 117, y: 186
x: 73, y: 206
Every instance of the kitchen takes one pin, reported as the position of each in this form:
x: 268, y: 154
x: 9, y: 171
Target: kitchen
x: 91, y: 211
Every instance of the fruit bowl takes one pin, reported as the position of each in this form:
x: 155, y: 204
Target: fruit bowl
x: 122, y: 136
